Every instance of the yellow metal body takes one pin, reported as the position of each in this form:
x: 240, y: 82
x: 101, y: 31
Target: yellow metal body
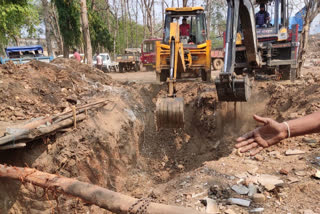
x: 187, y: 59
x: 184, y: 9
x: 239, y: 39
x: 197, y: 58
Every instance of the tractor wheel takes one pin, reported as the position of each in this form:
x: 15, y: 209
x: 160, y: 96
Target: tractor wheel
x: 120, y: 68
x: 136, y: 67
x: 205, y: 76
x: 162, y: 77
x: 217, y: 64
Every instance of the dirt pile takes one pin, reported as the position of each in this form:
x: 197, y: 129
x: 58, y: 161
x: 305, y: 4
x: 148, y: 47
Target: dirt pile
x: 293, y: 100
x: 313, y: 53
x: 37, y: 88
x: 102, y: 150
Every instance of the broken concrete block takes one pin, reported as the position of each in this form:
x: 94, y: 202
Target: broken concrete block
x: 239, y: 201
x: 240, y: 189
x: 294, y: 152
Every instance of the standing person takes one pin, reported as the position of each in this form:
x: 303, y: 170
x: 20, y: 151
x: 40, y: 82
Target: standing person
x: 76, y: 55
x: 184, y: 28
x: 99, y: 61
x: 273, y: 132
x: 262, y: 17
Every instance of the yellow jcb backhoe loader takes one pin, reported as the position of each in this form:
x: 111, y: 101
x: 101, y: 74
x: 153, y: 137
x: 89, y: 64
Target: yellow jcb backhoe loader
x: 179, y: 55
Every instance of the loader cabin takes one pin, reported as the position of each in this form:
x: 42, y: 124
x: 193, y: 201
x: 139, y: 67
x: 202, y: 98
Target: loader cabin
x: 276, y: 27
x: 194, y: 18
x: 195, y: 59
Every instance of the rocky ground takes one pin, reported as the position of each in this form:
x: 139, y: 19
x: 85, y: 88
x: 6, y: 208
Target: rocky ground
x: 119, y: 148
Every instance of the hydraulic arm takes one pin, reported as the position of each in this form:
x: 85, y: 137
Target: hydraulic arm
x: 229, y: 86
x: 170, y: 109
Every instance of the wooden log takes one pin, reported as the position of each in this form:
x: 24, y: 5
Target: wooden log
x: 83, y: 107
x: 104, y: 198
x: 32, y: 134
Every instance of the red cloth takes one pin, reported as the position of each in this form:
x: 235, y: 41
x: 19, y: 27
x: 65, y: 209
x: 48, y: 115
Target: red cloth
x: 184, y: 29
x: 77, y: 56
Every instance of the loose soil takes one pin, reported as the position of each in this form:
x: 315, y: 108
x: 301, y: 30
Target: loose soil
x: 119, y: 148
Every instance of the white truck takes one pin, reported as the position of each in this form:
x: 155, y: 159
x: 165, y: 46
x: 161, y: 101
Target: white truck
x: 107, y: 64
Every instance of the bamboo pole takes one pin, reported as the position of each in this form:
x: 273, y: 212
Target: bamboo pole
x: 104, y: 198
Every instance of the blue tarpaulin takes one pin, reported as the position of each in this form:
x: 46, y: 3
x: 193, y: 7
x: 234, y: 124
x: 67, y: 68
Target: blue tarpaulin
x: 298, y: 19
x: 24, y: 48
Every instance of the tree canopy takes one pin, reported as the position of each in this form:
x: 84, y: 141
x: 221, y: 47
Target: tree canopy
x: 16, y: 16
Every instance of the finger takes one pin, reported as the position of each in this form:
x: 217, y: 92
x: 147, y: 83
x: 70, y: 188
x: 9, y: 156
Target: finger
x: 261, y: 141
x: 244, y: 143
x: 256, y: 151
x: 263, y: 120
x: 245, y: 136
x: 249, y: 147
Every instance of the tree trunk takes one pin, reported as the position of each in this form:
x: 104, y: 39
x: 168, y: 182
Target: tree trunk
x: 153, y: 19
x: 107, y: 14
x: 47, y: 26
x: 116, y: 28
x: 162, y: 11
x: 185, y: 3
x: 136, y: 14
x: 209, y: 12
x: 65, y: 50
x: 56, y: 29
x: 104, y: 198
x: 85, y: 30
x: 312, y: 9
x: 148, y: 4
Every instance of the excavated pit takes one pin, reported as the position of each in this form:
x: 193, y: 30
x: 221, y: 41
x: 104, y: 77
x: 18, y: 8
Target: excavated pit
x: 119, y: 148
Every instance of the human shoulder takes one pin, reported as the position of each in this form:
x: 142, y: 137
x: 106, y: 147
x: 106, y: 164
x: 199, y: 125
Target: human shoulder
x: 266, y: 13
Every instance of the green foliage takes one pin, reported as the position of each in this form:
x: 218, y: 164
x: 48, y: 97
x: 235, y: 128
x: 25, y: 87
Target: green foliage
x: 121, y: 39
x: 218, y: 23
x: 15, y: 16
x: 99, y: 34
x: 69, y: 21
x: 100, y: 20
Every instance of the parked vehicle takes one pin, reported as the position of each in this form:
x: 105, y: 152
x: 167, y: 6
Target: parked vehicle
x: 217, y: 58
x: 130, y: 60
x: 148, y: 53
x: 24, y: 54
x: 107, y: 64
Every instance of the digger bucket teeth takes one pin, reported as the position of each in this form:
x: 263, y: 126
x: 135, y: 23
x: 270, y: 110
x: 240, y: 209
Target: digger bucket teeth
x: 170, y: 112
x: 233, y: 89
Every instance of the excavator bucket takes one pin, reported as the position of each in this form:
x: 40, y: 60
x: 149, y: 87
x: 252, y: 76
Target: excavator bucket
x: 170, y: 112
x: 233, y: 89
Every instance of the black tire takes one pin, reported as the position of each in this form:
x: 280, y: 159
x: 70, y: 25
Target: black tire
x: 162, y: 77
x: 205, y: 76
x: 238, y: 71
x: 136, y: 67
x: 120, y: 68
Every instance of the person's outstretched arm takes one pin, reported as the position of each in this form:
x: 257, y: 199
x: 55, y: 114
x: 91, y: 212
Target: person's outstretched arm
x: 273, y: 132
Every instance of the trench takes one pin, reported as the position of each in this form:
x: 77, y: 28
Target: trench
x: 136, y: 157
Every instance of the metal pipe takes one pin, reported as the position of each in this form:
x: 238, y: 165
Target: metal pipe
x: 228, y: 37
x: 172, y: 52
